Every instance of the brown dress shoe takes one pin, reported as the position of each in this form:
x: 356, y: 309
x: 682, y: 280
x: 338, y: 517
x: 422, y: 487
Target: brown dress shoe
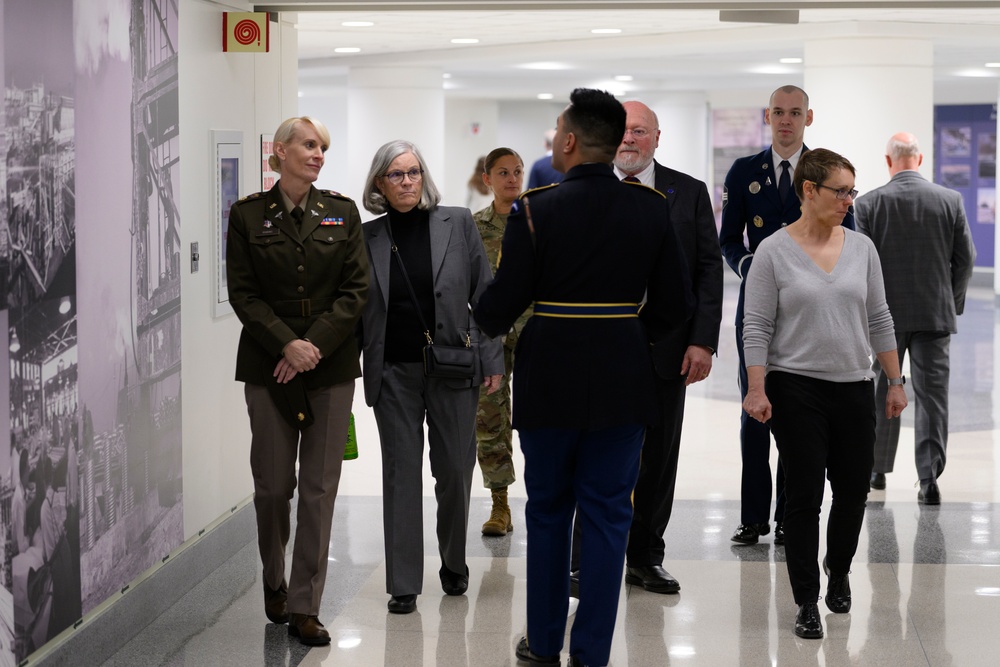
x: 275, y: 603
x: 308, y: 629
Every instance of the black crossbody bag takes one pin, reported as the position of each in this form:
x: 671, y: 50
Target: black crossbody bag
x: 440, y: 361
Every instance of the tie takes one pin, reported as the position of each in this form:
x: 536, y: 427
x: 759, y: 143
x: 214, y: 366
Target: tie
x: 785, y: 181
x: 631, y: 179
x: 297, y: 214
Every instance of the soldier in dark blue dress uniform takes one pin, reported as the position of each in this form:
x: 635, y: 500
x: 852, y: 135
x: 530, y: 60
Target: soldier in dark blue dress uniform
x: 585, y: 252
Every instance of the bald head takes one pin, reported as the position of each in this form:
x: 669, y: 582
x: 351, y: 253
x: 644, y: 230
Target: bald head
x: 902, y: 153
x: 642, y: 136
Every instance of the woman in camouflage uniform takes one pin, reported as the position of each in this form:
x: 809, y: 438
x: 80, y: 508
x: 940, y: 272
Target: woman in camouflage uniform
x: 504, y: 175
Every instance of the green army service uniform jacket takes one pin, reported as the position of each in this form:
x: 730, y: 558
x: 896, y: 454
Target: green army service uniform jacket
x: 287, y: 282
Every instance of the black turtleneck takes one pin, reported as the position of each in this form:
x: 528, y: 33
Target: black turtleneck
x: 404, y: 338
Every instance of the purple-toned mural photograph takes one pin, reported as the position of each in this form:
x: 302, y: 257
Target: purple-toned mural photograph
x: 90, y: 481
x: 130, y: 345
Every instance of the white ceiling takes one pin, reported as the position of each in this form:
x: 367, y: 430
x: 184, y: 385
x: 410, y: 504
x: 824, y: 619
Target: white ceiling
x: 662, y: 49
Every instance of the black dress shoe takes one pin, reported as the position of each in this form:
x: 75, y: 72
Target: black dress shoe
x: 653, y: 578
x: 574, y: 584
x: 878, y: 481
x: 402, y: 604
x: 453, y: 583
x: 524, y: 654
x: 748, y: 533
x: 929, y: 493
x: 807, y: 623
x: 275, y: 603
x: 308, y: 629
x: 779, y: 533
x: 838, y: 591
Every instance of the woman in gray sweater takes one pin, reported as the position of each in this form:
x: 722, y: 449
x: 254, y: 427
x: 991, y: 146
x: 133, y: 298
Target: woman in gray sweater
x: 815, y: 310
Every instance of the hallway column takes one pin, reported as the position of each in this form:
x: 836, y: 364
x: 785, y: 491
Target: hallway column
x: 386, y: 103
x: 683, y: 132
x: 865, y: 89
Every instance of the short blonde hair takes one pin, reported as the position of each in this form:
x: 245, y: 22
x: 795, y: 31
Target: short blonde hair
x: 287, y: 130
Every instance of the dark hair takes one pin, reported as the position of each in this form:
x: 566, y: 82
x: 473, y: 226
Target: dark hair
x: 816, y: 165
x: 598, y: 121
x: 476, y: 180
x: 497, y: 153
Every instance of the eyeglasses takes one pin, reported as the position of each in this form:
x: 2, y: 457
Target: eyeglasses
x: 396, y: 177
x: 637, y: 133
x: 840, y: 194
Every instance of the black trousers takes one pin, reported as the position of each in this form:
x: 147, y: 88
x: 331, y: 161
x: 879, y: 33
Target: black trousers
x: 823, y: 430
x: 654, y: 491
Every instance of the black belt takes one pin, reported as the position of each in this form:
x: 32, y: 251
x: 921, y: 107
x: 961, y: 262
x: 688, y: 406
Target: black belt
x: 586, y: 310
x: 301, y: 307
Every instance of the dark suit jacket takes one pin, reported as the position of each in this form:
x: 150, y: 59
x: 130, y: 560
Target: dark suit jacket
x: 272, y: 266
x: 461, y: 273
x: 750, y: 202
x: 595, y: 240
x: 693, y: 221
x: 925, y: 246
x: 543, y: 173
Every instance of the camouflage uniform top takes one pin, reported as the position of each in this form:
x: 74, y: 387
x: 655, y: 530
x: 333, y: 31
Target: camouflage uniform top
x: 491, y: 225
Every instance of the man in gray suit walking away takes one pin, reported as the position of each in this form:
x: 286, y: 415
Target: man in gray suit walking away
x: 926, y: 250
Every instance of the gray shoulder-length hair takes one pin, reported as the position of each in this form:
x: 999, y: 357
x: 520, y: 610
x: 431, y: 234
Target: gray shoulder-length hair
x: 374, y: 201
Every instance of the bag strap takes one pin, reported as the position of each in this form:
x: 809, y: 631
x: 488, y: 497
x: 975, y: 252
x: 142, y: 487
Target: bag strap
x: 409, y: 287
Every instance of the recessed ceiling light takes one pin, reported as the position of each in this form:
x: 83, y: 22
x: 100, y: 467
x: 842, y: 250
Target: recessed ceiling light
x: 545, y: 66
x: 346, y: 49
x: 357, y: 24
x: 447, y: 75
x: 993, y: 64
x: 465, y: 40
x: 606, y: 31
x: 790, y: 61
x: 974, y: 73
x: 545, y: 96
x: 623, y: 77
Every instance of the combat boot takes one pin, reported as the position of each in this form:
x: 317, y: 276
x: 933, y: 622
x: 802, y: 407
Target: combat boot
x: 499, y: 521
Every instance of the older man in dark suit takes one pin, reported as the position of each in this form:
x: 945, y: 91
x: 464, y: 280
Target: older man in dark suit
x: 586, y: 251
x: 925, y: 246
x: 682, y: 358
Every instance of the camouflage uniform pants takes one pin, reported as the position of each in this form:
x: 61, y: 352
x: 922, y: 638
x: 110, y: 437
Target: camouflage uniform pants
x: 494, y: 435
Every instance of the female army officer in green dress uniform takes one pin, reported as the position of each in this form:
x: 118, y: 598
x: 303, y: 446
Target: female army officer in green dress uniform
x: 298, y: 281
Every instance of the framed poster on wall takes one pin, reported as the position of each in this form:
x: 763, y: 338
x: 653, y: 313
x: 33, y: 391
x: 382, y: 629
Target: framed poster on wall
x: 227, y: 149
x: 268, y: 177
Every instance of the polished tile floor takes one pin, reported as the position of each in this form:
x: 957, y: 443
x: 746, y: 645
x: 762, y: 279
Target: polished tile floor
x: 926, y: 580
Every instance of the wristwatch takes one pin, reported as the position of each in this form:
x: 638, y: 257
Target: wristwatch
x: 897, y: 382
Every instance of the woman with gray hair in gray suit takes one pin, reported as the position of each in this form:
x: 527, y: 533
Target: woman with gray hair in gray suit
x: 428, y: 266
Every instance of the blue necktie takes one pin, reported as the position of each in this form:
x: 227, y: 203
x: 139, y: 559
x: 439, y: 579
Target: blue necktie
x: 785, y: 180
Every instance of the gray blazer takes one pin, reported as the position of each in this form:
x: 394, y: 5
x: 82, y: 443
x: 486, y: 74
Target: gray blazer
x: 461, y: 273
x: 925, y: 247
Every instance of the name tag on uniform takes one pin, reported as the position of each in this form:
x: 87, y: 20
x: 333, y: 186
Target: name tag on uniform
x: 334, y: 222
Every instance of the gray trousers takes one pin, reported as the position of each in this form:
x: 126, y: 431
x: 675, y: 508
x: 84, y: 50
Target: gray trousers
x: 320, y: 451
x: 405, y: 400
x: 929, y: 370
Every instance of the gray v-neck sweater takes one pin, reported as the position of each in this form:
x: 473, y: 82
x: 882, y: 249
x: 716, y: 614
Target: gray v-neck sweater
x: 801, y: 319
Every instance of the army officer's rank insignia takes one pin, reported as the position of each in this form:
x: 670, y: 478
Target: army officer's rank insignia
x: 336, y: 222
x: 754, y: 188
x: 758, y: 221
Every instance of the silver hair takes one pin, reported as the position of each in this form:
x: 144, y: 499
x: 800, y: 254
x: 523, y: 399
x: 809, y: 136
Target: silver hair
x: 898, y: 149
x: 374, y: 201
